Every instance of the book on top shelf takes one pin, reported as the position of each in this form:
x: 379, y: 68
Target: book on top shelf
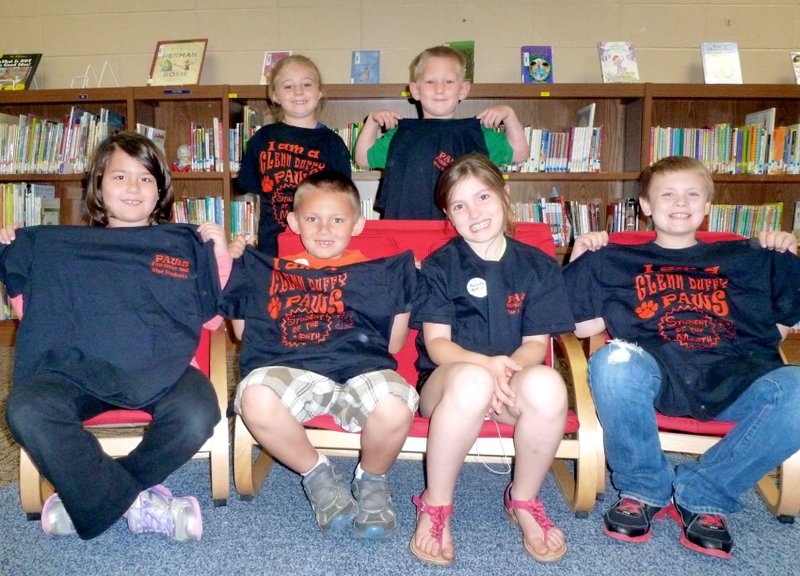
x: 468, y: 48
x: 17, y: 70
x: 537, y: 64
x: 618, y: 62
x: 365, y: 67
x: 270, y: 59
x: 721, y: 63
x: 795, y: 57
x: 177, y: 62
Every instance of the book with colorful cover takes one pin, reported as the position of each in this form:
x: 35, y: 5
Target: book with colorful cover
x: 721, y: 63
x: 618, y: 62
x: 270, y: 59
x: 468, y: 48
x: 17, y: 70
x: 365, y: 67
x: 537, y: 64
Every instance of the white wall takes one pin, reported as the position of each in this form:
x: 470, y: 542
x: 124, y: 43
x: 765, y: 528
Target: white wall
x: 75, y: 33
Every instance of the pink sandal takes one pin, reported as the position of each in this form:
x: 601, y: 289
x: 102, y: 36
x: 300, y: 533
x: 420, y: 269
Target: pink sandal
x: 439, y: 515
x: 535, y: 508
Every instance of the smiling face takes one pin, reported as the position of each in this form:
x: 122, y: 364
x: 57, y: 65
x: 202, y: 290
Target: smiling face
x: 678, y: 203
x: 296, y: 89
x: 439, y: 87
x: 478, y: 215
x: 325, y: 219
x: 129, y: 191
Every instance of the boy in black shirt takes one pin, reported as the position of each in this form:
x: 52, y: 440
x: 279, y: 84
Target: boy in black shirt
x: 695, y: 332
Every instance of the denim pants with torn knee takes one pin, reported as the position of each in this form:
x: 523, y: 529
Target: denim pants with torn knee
x: 625, y: 381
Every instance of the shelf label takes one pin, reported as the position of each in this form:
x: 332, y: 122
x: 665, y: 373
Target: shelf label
x: 177, y: 91
x: 544, y: 94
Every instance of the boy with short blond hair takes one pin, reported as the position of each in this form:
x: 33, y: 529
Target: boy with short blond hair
x: 414, y: 152
x: 695, y: 331
x: 317, y: 341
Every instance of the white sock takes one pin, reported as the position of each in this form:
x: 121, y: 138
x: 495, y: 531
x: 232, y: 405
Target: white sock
x: 360, y: 471
x: 321, y: 460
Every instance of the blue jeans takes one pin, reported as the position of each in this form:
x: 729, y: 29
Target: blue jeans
x: 625, y: 381
x: 45, y: 416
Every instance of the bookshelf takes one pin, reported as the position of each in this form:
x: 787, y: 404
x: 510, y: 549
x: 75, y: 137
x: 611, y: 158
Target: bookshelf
x: 627, y: 113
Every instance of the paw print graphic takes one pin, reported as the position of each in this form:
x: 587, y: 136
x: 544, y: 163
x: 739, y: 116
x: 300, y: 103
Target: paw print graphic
x: 647, y: 309
x: 274, y: 307
x: 267, y: 184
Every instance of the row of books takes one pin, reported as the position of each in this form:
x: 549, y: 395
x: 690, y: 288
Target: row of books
x: 206, y: 146
x: 577, y: 150
x: 29, y: 204
x: 33, y: 145
x: 745, y: 219
x: 211, y: 209
x: 726, y: 149
x: 199, y: 210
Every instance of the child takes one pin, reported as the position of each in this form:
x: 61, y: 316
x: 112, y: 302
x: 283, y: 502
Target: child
x: 487, y: 305
x: 695, y: 331
x: 112, y: 317
x: 320, y: 341
x: 415, y: 152
x: 279, y: 156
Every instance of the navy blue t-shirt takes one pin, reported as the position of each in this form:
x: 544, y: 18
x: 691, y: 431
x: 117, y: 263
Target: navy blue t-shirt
x: 333, y: 321
x: 419, y: 152
x: 490, y: 306
x: 278, y: 158
x: 706, y: 313
x: 117, y: 310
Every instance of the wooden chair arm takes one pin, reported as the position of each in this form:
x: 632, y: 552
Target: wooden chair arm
x: 568, y: 349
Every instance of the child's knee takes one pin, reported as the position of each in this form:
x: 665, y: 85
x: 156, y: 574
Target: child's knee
x: 470, y: 384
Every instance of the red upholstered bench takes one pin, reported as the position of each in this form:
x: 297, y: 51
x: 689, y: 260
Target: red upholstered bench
x: 582, y: 441
x: 132, y: 424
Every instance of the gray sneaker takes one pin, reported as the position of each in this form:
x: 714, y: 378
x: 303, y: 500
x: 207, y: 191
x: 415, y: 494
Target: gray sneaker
x: 376, y: 517
x: 331, y: 500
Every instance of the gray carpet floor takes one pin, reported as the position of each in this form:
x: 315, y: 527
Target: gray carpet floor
x: 275, y: 534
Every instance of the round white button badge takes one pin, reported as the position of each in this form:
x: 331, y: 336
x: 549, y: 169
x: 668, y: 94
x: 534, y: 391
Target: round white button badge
x: 477, y: 287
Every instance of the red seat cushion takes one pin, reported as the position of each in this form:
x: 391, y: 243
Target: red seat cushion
x: 681, y: 424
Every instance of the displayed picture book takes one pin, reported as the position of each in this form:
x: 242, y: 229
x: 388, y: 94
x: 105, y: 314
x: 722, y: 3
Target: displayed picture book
x: 365, y: 67
x: 17, y: 70
x: 618, y: 62
x: 177, y: 62
x: 765, y: 118
x: 585, y: 116
x: 795, y: 56
x: 721, y: 63
x: 157, y: 135
x: 270, y: 59
x: 468, y: 48
x: 537, y: 64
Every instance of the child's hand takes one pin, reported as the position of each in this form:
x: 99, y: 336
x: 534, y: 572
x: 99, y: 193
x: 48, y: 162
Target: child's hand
x: 239, y: 243
x: 216, y: 233
x: 386, y: 119
x: 502, y: 368
x: 591, y: 241
x: 778, y: 241
x: 493, y: 116
x: 8, y: 233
